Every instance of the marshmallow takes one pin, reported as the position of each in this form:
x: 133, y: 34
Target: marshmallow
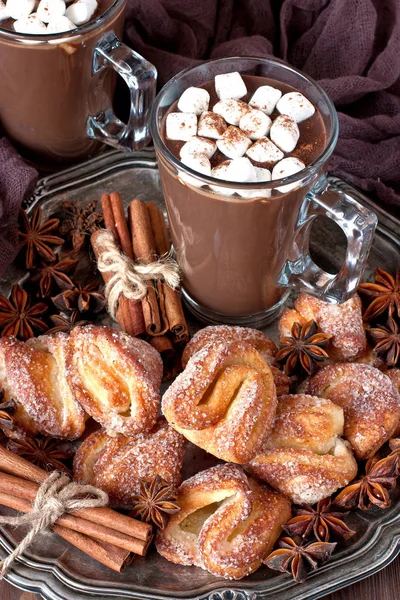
x: 233, y: 143
x: 230, y: 85
x: 30, y: 24
x: 181, y: 126
x: 296, y: 106
x: 284, y: 168
x: 198, y: 162
x: 200, y: 145
x: 220, y: 173
x: 285, y: 133
x: 241, y: 170
x: 81, y: 11
x: 20, y: 9
x: 264, y: 151
x: 231, y: 110
x: 50, y: 9
x: 60, y: 24
x: 255, y: 124
x: 260, y: 175
x: 4, y: 12
x: 194, y: 100
x: 265, y: 98
x: 211, y: 125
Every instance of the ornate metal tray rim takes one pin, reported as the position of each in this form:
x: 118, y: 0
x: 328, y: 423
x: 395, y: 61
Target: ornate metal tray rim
x: 48, y: 578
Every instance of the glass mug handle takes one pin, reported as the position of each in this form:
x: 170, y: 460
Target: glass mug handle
x: 140, y: 77
x: 358, y: 224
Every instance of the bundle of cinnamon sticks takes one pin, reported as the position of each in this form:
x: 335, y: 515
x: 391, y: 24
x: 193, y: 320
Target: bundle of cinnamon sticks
x: 143, y: 237
x: 104, y: 534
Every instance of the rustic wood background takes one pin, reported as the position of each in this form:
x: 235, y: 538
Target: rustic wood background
x: 385, y: 585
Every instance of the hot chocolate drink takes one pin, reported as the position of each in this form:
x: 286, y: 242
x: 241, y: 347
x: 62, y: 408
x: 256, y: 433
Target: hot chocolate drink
x: 232, y: 244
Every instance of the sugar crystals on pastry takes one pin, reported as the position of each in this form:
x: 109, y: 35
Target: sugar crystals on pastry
x: 370, y: 402
x: 304, y: 458
x: 115, y: 377
x: 227, y: 524
x: 343, y: 321
x: 33, y: 374
x: 117, y: 464
x: 224, y: 401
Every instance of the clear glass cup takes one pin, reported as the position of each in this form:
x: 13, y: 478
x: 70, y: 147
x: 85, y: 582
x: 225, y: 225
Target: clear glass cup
x: 57, y: 90
x: 240, y: 256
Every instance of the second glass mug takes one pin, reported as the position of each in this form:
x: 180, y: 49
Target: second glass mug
x: 239, y: 257
x: 56, y: 91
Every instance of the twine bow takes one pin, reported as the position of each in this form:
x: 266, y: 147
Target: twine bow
x: 129, y: 278
x: 56, y: 496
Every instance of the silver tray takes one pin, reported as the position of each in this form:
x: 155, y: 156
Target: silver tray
x: 58, y: 571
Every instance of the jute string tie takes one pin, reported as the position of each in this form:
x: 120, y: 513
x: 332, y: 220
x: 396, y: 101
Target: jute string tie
x: 128, y: 277
x: 56, y: 496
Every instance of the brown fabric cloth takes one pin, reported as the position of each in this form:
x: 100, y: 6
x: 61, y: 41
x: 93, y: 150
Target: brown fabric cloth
x: 17, y: 181
x: 352, y: 47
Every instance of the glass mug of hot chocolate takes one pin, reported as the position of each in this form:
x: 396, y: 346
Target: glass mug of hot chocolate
x: 58, y: 65
x: 242, y: 145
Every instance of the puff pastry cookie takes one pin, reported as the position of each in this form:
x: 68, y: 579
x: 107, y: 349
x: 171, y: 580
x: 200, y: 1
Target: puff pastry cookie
x: 259, y: 340
x: 370, y: 402
x: 117, y: 464
x: 224, y: 401
x: 304, y: 458
x: 227, y: 524
x: 343, y: 321
x: 33, y: 374
x: 115, y: 377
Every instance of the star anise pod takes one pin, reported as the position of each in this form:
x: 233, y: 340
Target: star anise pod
x: 79, y: 223
x: 304, y: 348
x: 385, y: 293
x: 54, y: 273
x: 387, y: 341
x: 321, y: 521
x: 299, y: 559
x: 67, y: 323
x: 36, y: 238
x: 83, y: 299
x: 156, y: 500
x: 18, y: 317
x: 7, y: 410
x: 373, y: 487
x: 41, y: 451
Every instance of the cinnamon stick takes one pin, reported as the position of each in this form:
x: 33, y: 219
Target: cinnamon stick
x: 144, y: 252
x: 172, y: 299
x: 107, y: 554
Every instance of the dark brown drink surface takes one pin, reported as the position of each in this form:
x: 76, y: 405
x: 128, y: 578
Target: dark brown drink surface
x: 231, y: 249
x: 48, y: 91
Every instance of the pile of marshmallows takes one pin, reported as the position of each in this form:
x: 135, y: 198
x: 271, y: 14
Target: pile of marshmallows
x: 249, y: 125
x: 47, y: 16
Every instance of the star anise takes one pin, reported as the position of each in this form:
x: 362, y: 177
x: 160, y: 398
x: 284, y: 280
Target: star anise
x: 67, y: 323
x: 321, y: 521
x: 299, y: 559
x: 387, y: 341
x: 304, y: 348
x: 54, y: 273
x: 155, y: 502
x: 385, y: 293
x: 18, y: 317
x: 7, y: 410
x: 373, y: 487
x: 79, y: 223
x: 36, y: 238
x: 83, y: 299
x: 41, y: 451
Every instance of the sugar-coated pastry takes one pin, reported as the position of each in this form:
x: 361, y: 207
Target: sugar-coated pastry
x: 224, y: 401
x: 33, y: 374
x: 394, y: 375
x: 304, y: 458
x: 259, y: 340
x: 115, y: 377
x: 117, y: 464
x: 343, y: 321
x: 227, y: 524
x: 370, y: 402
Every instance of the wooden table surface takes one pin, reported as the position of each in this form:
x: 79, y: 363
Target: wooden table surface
x: 385, y: 585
